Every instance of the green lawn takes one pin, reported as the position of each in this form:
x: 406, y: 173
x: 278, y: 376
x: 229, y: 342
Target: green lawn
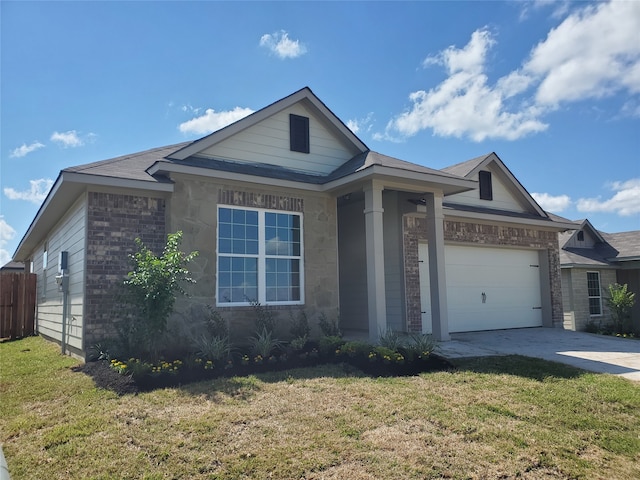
x: 509, y: 417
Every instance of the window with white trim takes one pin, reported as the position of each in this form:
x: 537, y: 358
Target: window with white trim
x: 595, y: 296
x: 259, y: 257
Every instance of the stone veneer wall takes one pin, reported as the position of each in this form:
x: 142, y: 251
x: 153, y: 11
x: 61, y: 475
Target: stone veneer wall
x: 114, y: 221
x: 193, y: 209
x: 415, y: 230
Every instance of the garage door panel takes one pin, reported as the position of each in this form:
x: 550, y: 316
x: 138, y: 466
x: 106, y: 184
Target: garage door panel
x: 509, y: 279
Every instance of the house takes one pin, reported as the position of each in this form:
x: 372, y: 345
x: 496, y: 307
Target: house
x: 12, y: 267
x: 289, y: 208
x: 590, y: 261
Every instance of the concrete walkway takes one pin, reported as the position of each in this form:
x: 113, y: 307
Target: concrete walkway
x: 596, y: 353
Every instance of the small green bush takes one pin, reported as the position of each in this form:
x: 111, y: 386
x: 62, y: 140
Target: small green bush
x: 329, y: 328
x: 356, y: 348
x: 329, y: 344
x: 265, y: 320
x: 264, y: 344
x: 620, y: 302
x: 299, y: 325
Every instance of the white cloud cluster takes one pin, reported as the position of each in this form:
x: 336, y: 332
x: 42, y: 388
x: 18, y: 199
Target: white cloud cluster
x: 592, y: 54
x: 36, y: 194
x: 281, y: 45
x: 357, y: 125
x: 211, y: 120
x: 625, y: 200
x: 7, y: 232
x: 25, y: 149
x: 551, y: 203
x: 67, y: 139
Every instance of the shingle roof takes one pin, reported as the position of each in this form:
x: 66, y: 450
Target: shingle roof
x: 462, y: 169
x: 132, y: 167
x: 617, y: 248
x: 627, y: 244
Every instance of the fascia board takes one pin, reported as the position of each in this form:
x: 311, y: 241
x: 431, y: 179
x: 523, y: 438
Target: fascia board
x: 239, y: 177
x: 88, y: 179
x: 548, y: 224
x: 399, y: 179
x: 588, y: 266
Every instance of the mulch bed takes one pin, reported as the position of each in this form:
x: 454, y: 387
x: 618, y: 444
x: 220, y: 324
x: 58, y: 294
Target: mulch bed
x: 106, y: 377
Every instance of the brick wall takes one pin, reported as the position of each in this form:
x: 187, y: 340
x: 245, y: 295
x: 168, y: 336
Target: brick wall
x: 114, y: 221
x: 415, y: 231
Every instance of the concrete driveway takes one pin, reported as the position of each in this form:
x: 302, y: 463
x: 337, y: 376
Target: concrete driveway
x: 596, y: 353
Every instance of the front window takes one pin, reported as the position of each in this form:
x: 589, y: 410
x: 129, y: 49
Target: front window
x: 593, y: 290
x: 259, y: 257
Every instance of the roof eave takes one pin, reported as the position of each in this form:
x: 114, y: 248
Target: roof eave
x: 65, y: 191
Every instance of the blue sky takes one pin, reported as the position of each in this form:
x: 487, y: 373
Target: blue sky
x: 552, y: 87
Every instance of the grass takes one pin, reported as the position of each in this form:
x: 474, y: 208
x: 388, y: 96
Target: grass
x: 507, y: 417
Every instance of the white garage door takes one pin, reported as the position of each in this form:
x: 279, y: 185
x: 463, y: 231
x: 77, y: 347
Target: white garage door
x: 487, y: 288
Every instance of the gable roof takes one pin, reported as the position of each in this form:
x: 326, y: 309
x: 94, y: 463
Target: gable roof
x: 610, y: 249
x: 471, y: 167
x: 304, y: 95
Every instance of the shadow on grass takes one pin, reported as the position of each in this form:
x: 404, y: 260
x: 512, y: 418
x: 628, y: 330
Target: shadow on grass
x: 518, y: 365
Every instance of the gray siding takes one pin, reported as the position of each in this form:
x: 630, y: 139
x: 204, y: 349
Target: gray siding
x: 268, y: 142
x: 353, y: 267
x: 68, y: 235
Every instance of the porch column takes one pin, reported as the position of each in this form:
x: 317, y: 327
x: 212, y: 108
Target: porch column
x: 376, y: 301
x: 438, y: 281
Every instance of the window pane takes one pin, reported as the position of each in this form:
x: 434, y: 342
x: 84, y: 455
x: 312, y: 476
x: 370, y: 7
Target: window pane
x: 224, y: 215
x: 594, y: 306
x: 238, y: 216
x: 224, y: 246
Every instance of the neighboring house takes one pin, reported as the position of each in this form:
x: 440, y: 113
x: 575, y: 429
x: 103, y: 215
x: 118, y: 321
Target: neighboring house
x: 289, y: 208
x: 590, y: 262
x: 12, y: 267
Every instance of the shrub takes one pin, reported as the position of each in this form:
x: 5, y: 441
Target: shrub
x: 420, y: 345
x: 213, y: 348
x: 216, y: 325
x: 620, y: 302
x: 299, y: 325
x: 263, y: 344
x: 329, y: 328
x: 356, y: 349
x: 151, y: 289
x: 298, y: 343
x: 265, y: 321
x: 329, y: 344
x: 391, y: 339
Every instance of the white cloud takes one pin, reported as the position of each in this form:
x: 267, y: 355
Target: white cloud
x: 212, y: 120
x: 7, y: 233
x: 67, y: 139
x: 281, y: 45
x: 36, y: 194
x: 361, y: 124
x: 552, y: 203
x: 625, y: 201
x: 465, y: 104
x: 593, y: 53
x: 25, y: 149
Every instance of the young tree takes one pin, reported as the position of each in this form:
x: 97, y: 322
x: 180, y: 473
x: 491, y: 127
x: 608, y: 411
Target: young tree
x: 620, y: 302
x: 152, y: 287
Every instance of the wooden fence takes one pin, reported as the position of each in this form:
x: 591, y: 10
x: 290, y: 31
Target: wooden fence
x: 17, y: 304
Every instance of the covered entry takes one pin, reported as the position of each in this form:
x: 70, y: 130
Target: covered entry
x: 488, y: 288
